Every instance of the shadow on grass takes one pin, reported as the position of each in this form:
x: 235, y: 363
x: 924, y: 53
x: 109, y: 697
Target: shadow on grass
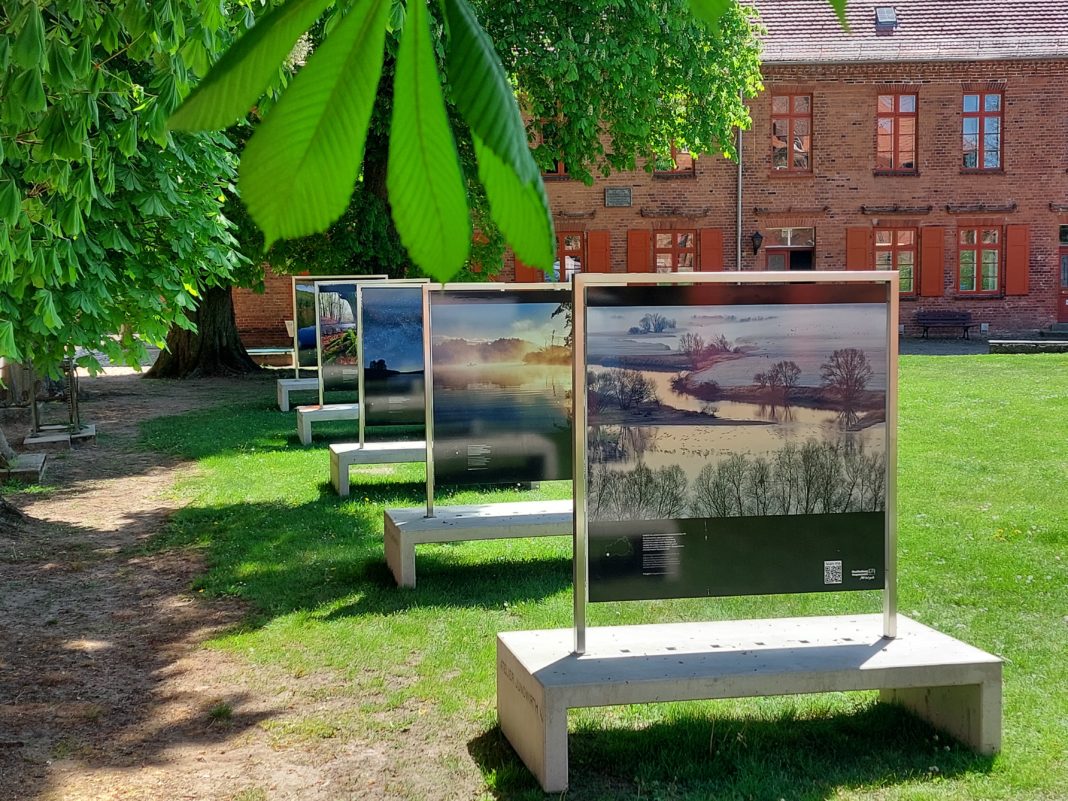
x: 288, y: 558
x: 253, y: 426
x: 730, y: 757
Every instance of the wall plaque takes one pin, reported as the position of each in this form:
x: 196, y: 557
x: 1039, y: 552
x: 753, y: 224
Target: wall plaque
x: 616, y: 196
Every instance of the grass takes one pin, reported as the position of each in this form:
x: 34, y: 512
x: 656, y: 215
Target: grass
x: 983, y: 529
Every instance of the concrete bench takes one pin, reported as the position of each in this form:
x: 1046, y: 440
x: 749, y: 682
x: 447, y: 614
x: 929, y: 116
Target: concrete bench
x: 306, y: 415
x: 287, y: 385
x: 342, y: 457
x: 1028, y: 346
x: 406, y: 528
x: 956, y: 687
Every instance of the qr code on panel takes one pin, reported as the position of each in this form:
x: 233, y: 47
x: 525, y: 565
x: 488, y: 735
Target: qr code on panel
x: 832, y: 572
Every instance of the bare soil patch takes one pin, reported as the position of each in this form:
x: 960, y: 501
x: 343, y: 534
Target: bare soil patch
x: 106, y: 688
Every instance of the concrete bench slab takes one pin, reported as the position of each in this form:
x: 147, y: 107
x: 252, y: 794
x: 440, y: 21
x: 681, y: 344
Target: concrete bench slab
x: 406, y: 528
x: 306, y: 415
x: 288, y: 385
x: 344, y: 456
x: 954, y: 686
x: 60, y: 436
x: 27, y: 468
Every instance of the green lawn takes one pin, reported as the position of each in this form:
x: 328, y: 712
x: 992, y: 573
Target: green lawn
x: 983, y: 530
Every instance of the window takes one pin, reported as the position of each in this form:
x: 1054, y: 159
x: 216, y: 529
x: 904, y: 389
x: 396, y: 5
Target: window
x: 791, y: 248
x: 895, y: 132
x: 1064, y: 235
x: 982, y: 131
x: 895, y: 249
x: 979, y: 254
x: 559, y: 171
x: 675, y: 251
x: 791, y: 133
x: 679, y: 163
x: 570, y: 254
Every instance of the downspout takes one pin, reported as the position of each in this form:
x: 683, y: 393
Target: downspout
x: 738, y: 220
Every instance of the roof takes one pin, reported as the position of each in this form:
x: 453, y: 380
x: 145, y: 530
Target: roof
x: 807, y: 31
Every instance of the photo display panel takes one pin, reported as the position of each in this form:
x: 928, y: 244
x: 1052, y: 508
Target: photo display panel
x: 304, y: 339
x: 737, y: 439
x: 304, y: 314
x: 501, y: 371
x: 338, y: 344
x: 392, y: 320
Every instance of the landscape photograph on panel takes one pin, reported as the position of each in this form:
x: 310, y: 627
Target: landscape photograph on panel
x: 392, y: 330
x: 337, y: 336
x: 501, y: 385
x: 304, y: 309
x: 736, y: 438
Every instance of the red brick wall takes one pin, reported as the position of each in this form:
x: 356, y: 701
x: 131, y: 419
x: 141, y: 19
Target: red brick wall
x: 1034, y: 178
x: 830, y: 199
x: 261, y: 316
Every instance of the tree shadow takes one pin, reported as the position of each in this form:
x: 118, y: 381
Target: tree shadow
x: 730, y: 756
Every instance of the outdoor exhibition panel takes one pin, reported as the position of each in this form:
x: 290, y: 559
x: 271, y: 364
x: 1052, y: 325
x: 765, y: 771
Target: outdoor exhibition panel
x: 735, y: 434
x: 498, y: 402
x: 337, y: 339
x: 305, y: 341
x: 390, y: 317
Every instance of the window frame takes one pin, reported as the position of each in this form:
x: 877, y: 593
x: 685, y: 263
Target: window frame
x: 981, y: 116
x: 674, y: 250
x: 895, y: 116
x: 894, y: 248
x: 562, y: 251
x: 977, y: 248
x: 791, y: 117
x: 559, y: 173
x: 676, y: 171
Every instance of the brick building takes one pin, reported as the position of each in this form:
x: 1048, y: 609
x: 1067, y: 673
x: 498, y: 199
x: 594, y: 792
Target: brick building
x: 931, y: 137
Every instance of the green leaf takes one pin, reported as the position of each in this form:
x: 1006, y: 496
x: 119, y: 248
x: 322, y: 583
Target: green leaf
x: 710, y: 11
x: 127, y: 137
x: 518, y: 203
x: 10, y: 202
x: 426, y: 187
x: 46, y: 309
x: 29, y: 89
x: 840, y: 10
x: 8, y: 349
x: 481, y: 90
x: 299, y: 168
x: 239, y: 78
x: 30, y: 43
x: 521, y: 209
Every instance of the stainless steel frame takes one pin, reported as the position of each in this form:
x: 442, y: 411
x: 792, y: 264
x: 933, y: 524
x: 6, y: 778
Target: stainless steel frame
x: 359, y: 341
x: 428, y: 375
x: 293, y: 281
x: 581, y: 421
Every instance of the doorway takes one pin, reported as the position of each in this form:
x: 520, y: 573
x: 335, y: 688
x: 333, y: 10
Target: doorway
x: 783, y: 259
x: 791, y: 248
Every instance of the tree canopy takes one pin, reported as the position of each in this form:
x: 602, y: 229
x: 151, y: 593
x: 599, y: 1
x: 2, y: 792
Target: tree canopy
x: 110, y: 225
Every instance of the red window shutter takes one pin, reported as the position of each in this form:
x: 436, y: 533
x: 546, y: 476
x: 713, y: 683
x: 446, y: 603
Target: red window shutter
x: 859, y: 245
x: 1017, y: 259
x: 711, y: 250
x: 598, y: 252
x: 527, y: 275
x: 639, y: 258
x: 932, y: 261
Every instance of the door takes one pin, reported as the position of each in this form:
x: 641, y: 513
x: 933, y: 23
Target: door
x: 1062, y: 299
x: 1062, y: 263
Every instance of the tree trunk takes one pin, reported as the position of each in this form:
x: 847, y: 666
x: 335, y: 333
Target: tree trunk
x: 213, y: 349
x: 7, y: 456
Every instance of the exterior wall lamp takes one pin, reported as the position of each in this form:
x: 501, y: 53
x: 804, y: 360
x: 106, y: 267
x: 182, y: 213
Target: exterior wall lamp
x: 758, y: 240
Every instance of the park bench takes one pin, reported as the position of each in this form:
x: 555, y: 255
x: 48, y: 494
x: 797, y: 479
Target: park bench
x: 288, y: 385
x: 344, y: 456
x: 955, y: 687
x: 272, y: 356
x: 306, y: 415
x: 406, y: 528
x: 945, y: 319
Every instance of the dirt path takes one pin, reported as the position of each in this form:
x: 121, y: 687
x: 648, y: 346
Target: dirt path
x: 105, y: 689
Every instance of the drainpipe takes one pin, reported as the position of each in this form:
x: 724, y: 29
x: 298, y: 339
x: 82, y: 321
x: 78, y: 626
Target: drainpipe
x: 738, y: 219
